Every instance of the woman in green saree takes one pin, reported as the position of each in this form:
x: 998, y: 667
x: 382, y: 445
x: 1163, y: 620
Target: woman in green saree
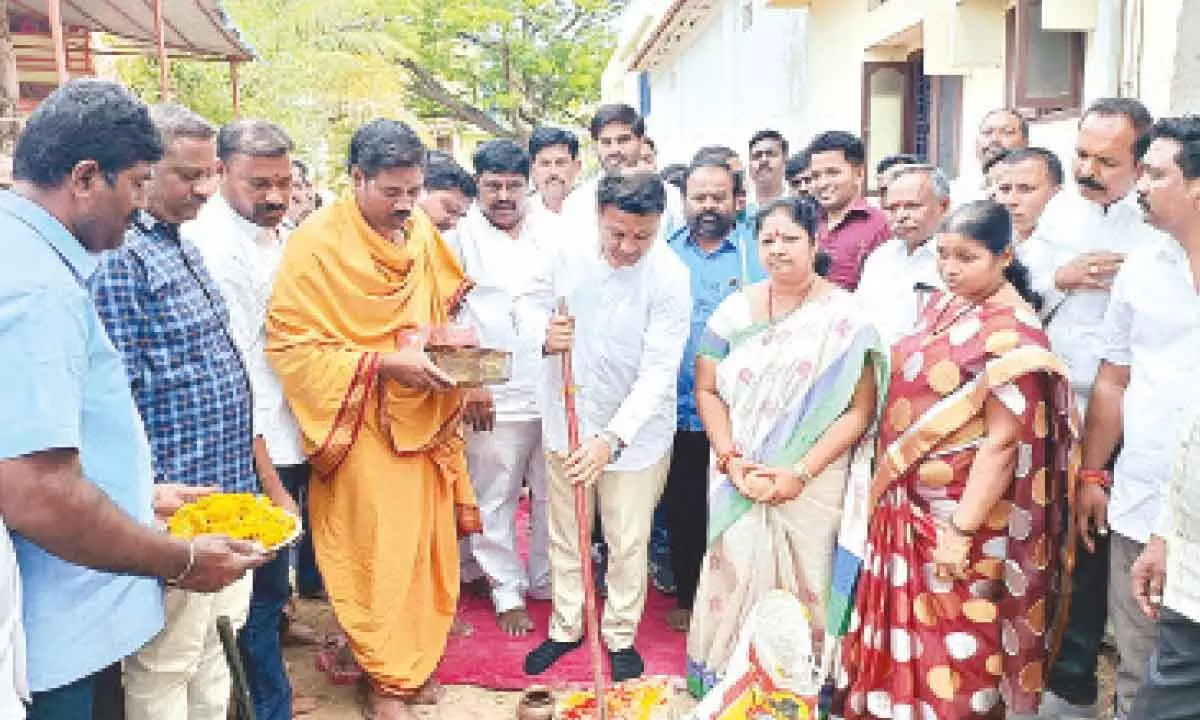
x: 788, y: 378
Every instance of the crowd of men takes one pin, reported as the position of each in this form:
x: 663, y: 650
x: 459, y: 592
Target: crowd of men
x: 179, y: 316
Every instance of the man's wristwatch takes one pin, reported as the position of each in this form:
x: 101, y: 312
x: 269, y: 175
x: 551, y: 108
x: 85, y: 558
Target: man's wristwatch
x: 615, y: 446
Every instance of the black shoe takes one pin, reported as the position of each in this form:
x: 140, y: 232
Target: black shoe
x: 543, y: 656
x: 626, y: 664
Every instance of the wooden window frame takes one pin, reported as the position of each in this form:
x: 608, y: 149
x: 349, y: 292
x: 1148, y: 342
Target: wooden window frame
x: 869, y: 68
x: 1017, y: 37
x: 936, y: 122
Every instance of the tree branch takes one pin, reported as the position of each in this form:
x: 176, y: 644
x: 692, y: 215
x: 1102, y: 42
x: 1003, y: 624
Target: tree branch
x: 430, y: 88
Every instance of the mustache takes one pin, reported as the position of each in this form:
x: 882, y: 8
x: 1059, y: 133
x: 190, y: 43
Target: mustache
x: 264, y: 208
x: 504, y: 206
x: 1090, y: 183
x: 400, y: 214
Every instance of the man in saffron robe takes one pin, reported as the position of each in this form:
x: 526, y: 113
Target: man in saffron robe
x: 357, y: 286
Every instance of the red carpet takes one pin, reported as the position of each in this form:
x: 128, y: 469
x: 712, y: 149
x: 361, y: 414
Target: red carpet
x: 491, y: 659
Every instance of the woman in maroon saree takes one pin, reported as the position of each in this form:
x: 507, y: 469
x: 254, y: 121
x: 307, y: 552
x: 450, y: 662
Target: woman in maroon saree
x: 963, y: 592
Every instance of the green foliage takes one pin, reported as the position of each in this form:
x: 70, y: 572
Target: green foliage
x: 326, y: 66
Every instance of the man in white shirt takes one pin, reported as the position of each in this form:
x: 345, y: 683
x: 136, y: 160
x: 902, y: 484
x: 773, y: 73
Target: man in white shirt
x: 618, y: 132
x: 1001, y: 129
x: 238, y: 234
x: 448, y: 192
x: 1146, y: 387
x: 898, y: 275
x: 1027, y: 181
x: 630, y: 299
x: 554, y: 155
x: 1170, y: 191
x: 1073, y: 254
x: 499, y: 246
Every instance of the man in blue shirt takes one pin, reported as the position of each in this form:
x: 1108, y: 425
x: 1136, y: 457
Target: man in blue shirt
x: 722, y: 258
x: 75, y: 476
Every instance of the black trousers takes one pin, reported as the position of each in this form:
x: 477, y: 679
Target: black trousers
x: 1172, y: 687
x: 686, y: 502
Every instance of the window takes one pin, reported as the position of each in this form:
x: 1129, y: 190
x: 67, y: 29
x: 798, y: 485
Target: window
x: 945, y: 123
x: 1043, y: 68
x: 888, y: 112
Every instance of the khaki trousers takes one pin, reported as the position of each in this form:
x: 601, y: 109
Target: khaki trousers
x: 627, y: 501
x: 181, y: 674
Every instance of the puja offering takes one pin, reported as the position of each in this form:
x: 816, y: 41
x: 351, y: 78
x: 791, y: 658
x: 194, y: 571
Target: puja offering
x: 242, y: 516
x: 645, y: 699
x: 454, y: 348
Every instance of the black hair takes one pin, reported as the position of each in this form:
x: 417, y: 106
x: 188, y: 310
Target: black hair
x: 1133, y: 111
x: 993, y: 160
x: 635, y: 193
x: 797, y: 164
x: 544, y: 136
x: 1022, y: 121
x: 384, y: 144
x: 806, y: 213
x: 647, y: 141
x: 675, y: 174
x: 848, y: 144
x: 775, y: 135
x: 501, y: 156
x: 719, y: 153
x: 87, y: 119
x: 1184, y: 130
x: 256, y: 138
x: 442, y: 172
x: 988, y: 223
x: 890, y: 161
x: 1053, y: 165
x: 617, y: 113
x: 708, y: 161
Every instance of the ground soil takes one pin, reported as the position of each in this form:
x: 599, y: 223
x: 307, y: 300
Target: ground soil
x: 460, y: 703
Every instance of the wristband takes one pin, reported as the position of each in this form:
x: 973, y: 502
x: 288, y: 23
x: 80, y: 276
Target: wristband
x: 1103, y: 478
x: 187, y: 570
x: 724, y: 459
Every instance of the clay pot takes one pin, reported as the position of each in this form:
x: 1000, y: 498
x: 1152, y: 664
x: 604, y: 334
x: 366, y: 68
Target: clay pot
x: 537, y: 703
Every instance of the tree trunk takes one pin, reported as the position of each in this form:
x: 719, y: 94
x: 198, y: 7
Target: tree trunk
x: 8, y: 91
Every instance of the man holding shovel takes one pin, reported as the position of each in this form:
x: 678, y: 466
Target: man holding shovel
x: 630, y: 299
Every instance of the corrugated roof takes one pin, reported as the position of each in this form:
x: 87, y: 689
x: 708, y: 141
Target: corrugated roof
x: 199, y: 28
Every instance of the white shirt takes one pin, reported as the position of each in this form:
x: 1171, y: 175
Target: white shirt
x: 1179, y: 525
x: 501, y: 267
x: 242, y: 259
x: 1071, y: 226
x: 580, y: 214
x: 1152, y: 327
x: 13, y: 688
x: 631, y: 326
x: 887, y: 288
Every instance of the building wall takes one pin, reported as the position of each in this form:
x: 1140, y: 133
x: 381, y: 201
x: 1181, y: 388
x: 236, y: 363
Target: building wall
x: 730, y: 80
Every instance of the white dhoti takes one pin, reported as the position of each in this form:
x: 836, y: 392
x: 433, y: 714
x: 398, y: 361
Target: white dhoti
x: 500, y: 461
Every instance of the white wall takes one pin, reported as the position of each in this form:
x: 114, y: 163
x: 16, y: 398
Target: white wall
x: 730, y: 81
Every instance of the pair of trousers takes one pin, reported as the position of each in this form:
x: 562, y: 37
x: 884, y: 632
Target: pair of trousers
x: 626, y: 501
x: 181, y: 674
x: 260, y: 640
x: 95, y: 697
x: 1073, y: 675
x: 308, y: 579
x: 1172, y: 687
x: 686, y: 500
x: 500, y: 462
x: 1135, y: 632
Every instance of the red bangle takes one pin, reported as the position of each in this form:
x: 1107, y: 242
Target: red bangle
x: 1103, y: 478
x: 724, y: 459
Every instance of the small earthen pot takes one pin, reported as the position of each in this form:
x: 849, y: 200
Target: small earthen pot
x: 537, y: 703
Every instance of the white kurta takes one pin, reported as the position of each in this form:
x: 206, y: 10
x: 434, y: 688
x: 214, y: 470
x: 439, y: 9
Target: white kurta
x: 888, y: 290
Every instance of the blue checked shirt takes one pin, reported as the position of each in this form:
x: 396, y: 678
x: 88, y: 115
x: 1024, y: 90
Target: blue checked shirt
x: 166, y: 317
